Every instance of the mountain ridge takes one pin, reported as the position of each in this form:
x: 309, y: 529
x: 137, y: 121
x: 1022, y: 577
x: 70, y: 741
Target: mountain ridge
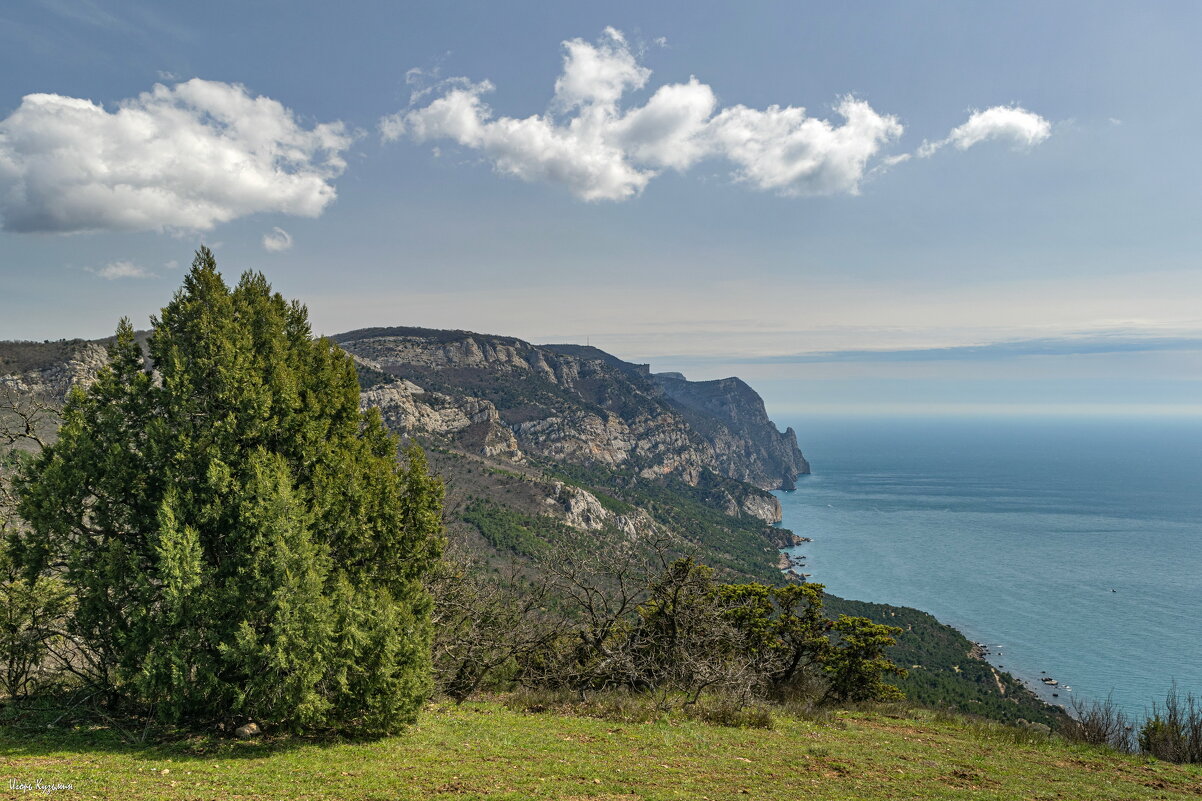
x: 584, y: 404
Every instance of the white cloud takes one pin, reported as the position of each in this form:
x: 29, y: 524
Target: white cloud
x: 392, y: 127
x: 598, y: 75
x: 185, y: 157
x: 577, y: 155
x: 277, y: 240
x: 668, y: 130
x: 589, y: 143
x: 121, y: 269
x: 1022, y: 128
x: 783, y: 149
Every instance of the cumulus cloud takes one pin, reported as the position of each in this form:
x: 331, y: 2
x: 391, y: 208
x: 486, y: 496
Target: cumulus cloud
x: 277, y: 240
x: 1014, y: 124
x: 121, y: 269
x: 185, y: 157
x: 783, y: 149
x: 588, y: 142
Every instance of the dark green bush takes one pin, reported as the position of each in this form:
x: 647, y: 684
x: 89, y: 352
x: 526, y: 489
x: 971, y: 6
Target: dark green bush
x: 240, y: 539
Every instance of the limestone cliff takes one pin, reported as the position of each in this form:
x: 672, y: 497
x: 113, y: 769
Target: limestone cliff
x: 50, y: 369
x: 577, y: 405
x: 732, y: 416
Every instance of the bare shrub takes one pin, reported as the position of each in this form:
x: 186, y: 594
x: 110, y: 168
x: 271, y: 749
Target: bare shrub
x: 32, y: 607
x: 27, y: 420
x: 636, y: 621
x: 597, y: 594
x: 1099, y: 723
x: 484, y: 625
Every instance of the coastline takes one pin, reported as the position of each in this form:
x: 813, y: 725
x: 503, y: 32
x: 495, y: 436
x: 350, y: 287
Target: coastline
x: 1016, y: 532
x: 946, y: 668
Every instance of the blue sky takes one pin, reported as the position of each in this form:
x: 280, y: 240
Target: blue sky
x: 875, y: 208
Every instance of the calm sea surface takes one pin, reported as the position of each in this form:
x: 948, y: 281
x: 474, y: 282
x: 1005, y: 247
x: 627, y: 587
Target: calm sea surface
x: 1068, y: 546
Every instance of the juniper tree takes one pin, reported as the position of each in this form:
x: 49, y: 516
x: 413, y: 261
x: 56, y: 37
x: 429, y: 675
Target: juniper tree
x: 241, y: 539
x: 857, y: 664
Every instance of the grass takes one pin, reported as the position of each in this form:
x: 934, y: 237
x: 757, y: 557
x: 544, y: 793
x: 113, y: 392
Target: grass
x: 485, y: 750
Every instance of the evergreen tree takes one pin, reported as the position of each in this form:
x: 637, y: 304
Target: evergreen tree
x: 856, y: 666
x: 241, y: 539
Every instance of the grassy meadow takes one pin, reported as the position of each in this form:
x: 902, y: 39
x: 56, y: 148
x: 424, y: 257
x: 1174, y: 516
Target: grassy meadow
x: 486, y: 750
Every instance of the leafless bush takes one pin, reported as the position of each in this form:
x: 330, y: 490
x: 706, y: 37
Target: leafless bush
x: 484, y: 624
x: 1099, y: 723
x: 25, y: 419
x: 32, y: 608
x: 598, y: 594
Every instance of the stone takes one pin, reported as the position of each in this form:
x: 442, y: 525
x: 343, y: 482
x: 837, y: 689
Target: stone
x: 247, y: 731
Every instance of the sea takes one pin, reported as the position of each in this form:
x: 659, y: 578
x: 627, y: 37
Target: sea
x: 1071, y: 547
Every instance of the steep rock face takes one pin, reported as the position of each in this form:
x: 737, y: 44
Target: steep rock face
x: 580, y: 509
x: 50, y: 370
x: 746, y: 443
x: 471, y: 423
x: 654, y: 445
x: 577, y: 405
x: 561, y: 407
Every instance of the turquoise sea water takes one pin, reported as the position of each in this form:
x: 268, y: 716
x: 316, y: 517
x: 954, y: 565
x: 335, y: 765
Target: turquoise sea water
x: 1016, y: 531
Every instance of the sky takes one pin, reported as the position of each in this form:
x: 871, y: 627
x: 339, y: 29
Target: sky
x: 873, y: 208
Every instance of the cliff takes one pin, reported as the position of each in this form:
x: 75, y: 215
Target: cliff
x: 50, y: 369
x: 575, y: 405
x: 731, y: 415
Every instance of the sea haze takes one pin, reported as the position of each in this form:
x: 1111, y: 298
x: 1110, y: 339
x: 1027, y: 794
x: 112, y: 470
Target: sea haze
x: 1016, y: 531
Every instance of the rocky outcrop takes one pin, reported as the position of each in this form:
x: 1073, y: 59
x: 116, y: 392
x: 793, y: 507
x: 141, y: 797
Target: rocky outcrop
x: 407, y: 348
x: 471, y: 423
x: 582, y: 510
x: 746, y: 442
x: 764, y: 507
x: 580, y: 405
x: 53, y: 375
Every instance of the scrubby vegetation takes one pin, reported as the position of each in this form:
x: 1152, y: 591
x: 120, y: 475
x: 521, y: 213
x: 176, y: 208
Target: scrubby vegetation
x: 737, y: 545
x: 941, y: 671
x: 510, y: 530
x: 588, y: 623
x: 1172, y: 732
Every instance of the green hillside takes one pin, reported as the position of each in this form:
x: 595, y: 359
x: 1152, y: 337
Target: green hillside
x: 487, y: 751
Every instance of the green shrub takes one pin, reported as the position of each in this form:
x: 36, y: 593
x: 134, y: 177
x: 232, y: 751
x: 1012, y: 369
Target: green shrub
x: 240, y: 538
x: 31, y: 618
x: 1174, y: 731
